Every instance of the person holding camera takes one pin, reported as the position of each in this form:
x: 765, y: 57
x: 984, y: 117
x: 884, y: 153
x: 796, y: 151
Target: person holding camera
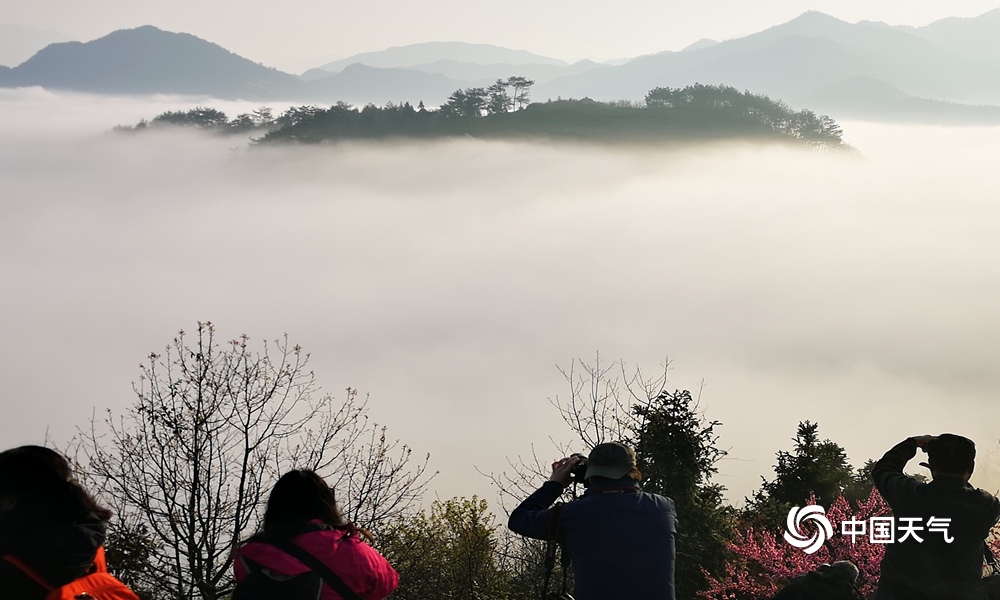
x: 620, y: 540
x: 940, y: 526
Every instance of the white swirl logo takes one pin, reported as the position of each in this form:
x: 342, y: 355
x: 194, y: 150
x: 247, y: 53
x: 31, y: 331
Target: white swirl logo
x: 823, y: 531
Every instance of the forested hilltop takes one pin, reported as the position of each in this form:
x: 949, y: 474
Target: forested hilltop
x: 696, y: 112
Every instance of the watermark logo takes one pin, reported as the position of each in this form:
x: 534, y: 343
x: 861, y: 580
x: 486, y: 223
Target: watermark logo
x: 822, y: 531
x: 878, y: 530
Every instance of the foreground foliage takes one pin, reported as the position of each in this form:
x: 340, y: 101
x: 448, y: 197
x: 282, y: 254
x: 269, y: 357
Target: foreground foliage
x: 187, y: 468
x: 455, y: 549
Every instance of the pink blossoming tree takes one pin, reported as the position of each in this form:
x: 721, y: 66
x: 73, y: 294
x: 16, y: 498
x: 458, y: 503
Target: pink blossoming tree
x: 764, y: 561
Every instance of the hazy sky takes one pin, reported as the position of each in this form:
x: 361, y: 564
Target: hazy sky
x: 299, y: 34
x: 450, y: 281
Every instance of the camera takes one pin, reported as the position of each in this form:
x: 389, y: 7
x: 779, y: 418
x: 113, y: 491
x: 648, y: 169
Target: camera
x: 579, y: 473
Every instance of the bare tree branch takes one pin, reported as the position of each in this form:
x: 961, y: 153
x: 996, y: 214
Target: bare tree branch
x: 190, y: 463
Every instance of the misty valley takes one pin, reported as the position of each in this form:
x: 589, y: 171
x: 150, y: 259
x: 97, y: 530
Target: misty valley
x: 463, y: 274
x: 449, y: 280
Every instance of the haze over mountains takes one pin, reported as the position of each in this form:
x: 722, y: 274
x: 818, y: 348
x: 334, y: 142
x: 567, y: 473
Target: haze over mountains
x: 948, y: 71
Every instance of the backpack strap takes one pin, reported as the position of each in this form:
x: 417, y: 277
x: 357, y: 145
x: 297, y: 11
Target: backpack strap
x: 317, y: 566
x: 550, y: 551
x: 24, y: 568
x: 100, y: 565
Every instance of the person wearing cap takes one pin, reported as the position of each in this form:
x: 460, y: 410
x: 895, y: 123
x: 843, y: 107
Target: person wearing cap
x: 826, y: 582
x: 620, y: 540
x: 940, y: 526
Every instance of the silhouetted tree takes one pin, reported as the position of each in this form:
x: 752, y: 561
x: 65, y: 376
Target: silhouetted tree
x: 260, y: 118
x: 499, y: 100
x: 677, y: 449
x: 861, y: 484
x: 465, y: 103
x: 815, y: 130
x: 693, y: 112
x: 201, y: 117
x: 521, y: 87
x: 701, y: 102
x: 294, y: 115
x: 815, y: 468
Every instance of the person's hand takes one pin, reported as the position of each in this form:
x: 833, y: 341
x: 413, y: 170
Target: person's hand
x: 562, y: 469
x: 923, y: 440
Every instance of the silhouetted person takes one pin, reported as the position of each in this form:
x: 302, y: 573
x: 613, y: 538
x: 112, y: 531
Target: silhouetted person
x: 619, y: 538
x: 48, y: 522
x: 827, y: 582
x: 940, y: 526
x: 302, y: 509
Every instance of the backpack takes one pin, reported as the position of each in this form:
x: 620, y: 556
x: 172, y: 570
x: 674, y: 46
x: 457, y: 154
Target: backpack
x: 98, y: 584
x: 263, y: 584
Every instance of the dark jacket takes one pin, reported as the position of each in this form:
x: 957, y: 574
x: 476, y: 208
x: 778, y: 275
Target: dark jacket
x: 59, y: 552
x: 620, y: 540
x: 932, y: 569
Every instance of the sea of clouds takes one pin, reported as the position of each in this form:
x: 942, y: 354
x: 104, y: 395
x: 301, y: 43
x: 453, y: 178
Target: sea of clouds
x: 450, y: 280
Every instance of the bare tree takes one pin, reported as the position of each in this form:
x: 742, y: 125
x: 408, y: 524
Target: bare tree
x: 601, y: 407
x: 213, y: 426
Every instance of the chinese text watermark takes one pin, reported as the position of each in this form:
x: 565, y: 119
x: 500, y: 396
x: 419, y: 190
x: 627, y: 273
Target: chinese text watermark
x: 879, y: 530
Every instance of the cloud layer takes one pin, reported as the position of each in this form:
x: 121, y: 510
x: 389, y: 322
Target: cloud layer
x: 448, y: 280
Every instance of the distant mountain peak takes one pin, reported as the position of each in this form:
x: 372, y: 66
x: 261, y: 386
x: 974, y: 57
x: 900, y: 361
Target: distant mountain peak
x: 430, y: 52
x: 816, y: 15
x: 815, y: 18
x: 702, y: 43
x: 144, y: 28
x: 144, y: 33
x: 147, y: 59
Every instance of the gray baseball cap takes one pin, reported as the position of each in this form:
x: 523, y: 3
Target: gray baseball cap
x: 847, y: 569
x: 611, y: 460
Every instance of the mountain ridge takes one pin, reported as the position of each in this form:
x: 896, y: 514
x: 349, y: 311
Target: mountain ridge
x: 793, y: 61
x: 426, y: 52
x: 147, y: 60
